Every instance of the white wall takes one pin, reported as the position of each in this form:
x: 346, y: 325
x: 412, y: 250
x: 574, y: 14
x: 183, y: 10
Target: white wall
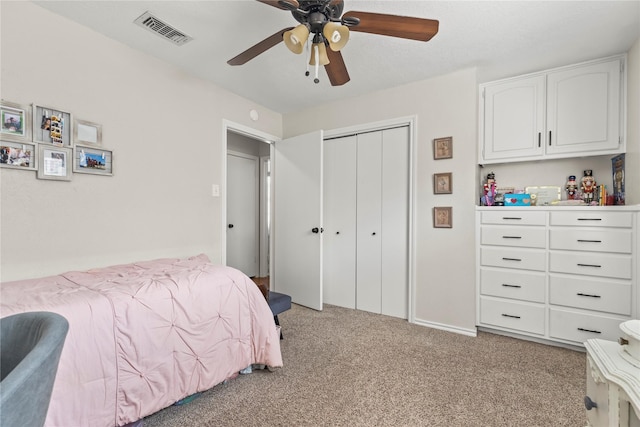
x: 444, y: 106
x: 165, y: 130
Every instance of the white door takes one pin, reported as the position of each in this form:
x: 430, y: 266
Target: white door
x: 369, y: 228
x: 297, y: 226
x: 339, y: 218
x: 242, y: 213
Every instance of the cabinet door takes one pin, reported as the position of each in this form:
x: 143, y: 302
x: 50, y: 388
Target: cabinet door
x: 514, y: 120
x: 395, y: 222
x: 369, y: 220
x: 583, y: 109
x: 339, y: 219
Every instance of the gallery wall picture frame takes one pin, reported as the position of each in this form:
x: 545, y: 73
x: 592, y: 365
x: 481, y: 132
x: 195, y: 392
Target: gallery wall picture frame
x: 443, y: 217
x: 87, y: 133
x: 52, y: 125
x: 443, y: 148
x: 54, y: 162
x: 92, y: 160
x: 15, y: 120
x: 443, y: 183
x: 18, y: 155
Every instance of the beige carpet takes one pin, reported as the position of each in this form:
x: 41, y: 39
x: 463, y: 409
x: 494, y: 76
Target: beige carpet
x: 351, y: 368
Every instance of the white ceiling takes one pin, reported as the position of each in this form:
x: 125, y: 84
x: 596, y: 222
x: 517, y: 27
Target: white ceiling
x: 501, y: 38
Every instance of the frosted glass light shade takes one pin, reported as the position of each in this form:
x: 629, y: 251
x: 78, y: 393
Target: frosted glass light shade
x: 296, y: 38
x: 322, y: 54
x: 337, y: 35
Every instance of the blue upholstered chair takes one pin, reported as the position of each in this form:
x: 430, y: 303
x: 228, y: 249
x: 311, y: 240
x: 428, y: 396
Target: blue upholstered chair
x: 30, y: 348
x: 278, y: 303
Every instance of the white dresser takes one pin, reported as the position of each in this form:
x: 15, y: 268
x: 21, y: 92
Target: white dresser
x: 562, y: 274
x: 613, y: 379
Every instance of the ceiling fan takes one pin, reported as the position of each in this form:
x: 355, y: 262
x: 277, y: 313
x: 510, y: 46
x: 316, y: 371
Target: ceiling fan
x: 323, y: 22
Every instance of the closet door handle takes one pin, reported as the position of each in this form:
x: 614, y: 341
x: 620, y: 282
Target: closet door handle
x: 549, y: 138
x: 539, y: 139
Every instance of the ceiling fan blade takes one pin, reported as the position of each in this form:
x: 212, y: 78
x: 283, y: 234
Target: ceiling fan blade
x: 336, y: 69
x: 405, y: 27
x: 273, y: 3
x: 258, y: 48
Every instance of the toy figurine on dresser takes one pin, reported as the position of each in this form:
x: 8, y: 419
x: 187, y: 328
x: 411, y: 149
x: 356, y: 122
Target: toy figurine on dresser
x: 588, y: 186
x: 490, y: 190
x: 572, y: 188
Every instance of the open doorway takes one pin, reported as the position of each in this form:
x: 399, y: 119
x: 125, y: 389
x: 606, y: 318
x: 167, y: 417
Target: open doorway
x: 248, y: 181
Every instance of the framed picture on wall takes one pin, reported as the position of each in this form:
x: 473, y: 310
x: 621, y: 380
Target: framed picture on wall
x: 54, y: 162
x: 52, y: 125
x: 443, y: 183
x: 18, y: 155
x: 443, y: 148
x: 92, y: 160
x: 15, y: 122
x: 442, y: 217
x: 87, y: 133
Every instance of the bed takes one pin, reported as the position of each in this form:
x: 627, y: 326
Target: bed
x: 145, y: 335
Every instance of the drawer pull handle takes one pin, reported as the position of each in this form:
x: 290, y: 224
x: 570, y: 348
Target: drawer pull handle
x: 511, y: 259
x: 511, y: 316
x: 623, y: 341
x: 588, y: 295
x: 589, y: 241
x: 589, y: 330
x: 589, y: 265
x: 589, y: 404
x: 589, y: 219
x: 512, y: 237
x: 511, y: 217
x: 506, y: 285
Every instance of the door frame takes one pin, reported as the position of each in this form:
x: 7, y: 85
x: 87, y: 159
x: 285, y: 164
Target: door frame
x: 411, y: 122
x: 227, y: 126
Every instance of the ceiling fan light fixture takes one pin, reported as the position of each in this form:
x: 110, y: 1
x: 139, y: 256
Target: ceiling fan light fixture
x: 296, y: 38
x: 323, y: 59
x: 336, y: 34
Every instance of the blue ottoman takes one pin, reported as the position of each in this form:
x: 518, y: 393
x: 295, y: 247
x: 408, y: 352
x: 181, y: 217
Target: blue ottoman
x: 278, y: 303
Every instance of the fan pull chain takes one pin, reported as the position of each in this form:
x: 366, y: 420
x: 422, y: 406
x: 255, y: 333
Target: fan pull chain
x: 316, y: 52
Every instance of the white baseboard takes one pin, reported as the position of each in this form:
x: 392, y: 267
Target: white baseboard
x: 449, y: 328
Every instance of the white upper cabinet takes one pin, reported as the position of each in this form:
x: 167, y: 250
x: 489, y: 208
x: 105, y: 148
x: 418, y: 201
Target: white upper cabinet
x: 571, y: 111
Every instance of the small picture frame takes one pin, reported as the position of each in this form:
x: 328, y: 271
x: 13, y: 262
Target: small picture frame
x: 443, y: 148
x: 87, y: 133
x: 52, y: 125
x: 443, y: 183
x: 15, y: 122
x: 442, y: 217
x: 54, y: 162
x: 18, y: 155
x: 97, y: 161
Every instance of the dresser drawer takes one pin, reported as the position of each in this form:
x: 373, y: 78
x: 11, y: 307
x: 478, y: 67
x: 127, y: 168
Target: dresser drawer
x: 591, y: 264
x: 580, y: 239
x: 579, y: 327
x: 592, y: 219
x: 512, y: 315
x: 507, y: 216
x: 590, y: 294
x: 522, y: 259
x: 521, y: 285
x: 525, y: 237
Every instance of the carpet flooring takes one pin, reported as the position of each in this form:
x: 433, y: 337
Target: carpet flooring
x: 347, y: 367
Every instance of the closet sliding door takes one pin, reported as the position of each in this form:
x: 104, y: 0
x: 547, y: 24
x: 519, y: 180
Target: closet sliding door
x: 366, y: 218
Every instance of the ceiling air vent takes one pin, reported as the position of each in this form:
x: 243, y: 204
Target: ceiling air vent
x: 166, y: 31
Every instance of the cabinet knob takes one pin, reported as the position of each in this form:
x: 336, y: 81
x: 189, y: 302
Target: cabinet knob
x: 373, y: 234
x: 623, y: 341
x: 589, y: 404
x: 230, y: 225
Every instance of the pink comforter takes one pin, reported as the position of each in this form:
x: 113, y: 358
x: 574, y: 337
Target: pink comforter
x: 143, y: 336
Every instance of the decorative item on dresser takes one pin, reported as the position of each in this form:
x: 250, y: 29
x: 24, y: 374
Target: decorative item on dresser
x: 557, y: 274
x: 613, y: 379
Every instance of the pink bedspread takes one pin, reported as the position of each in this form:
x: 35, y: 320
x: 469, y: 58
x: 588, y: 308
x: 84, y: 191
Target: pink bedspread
x: 143, y: 336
